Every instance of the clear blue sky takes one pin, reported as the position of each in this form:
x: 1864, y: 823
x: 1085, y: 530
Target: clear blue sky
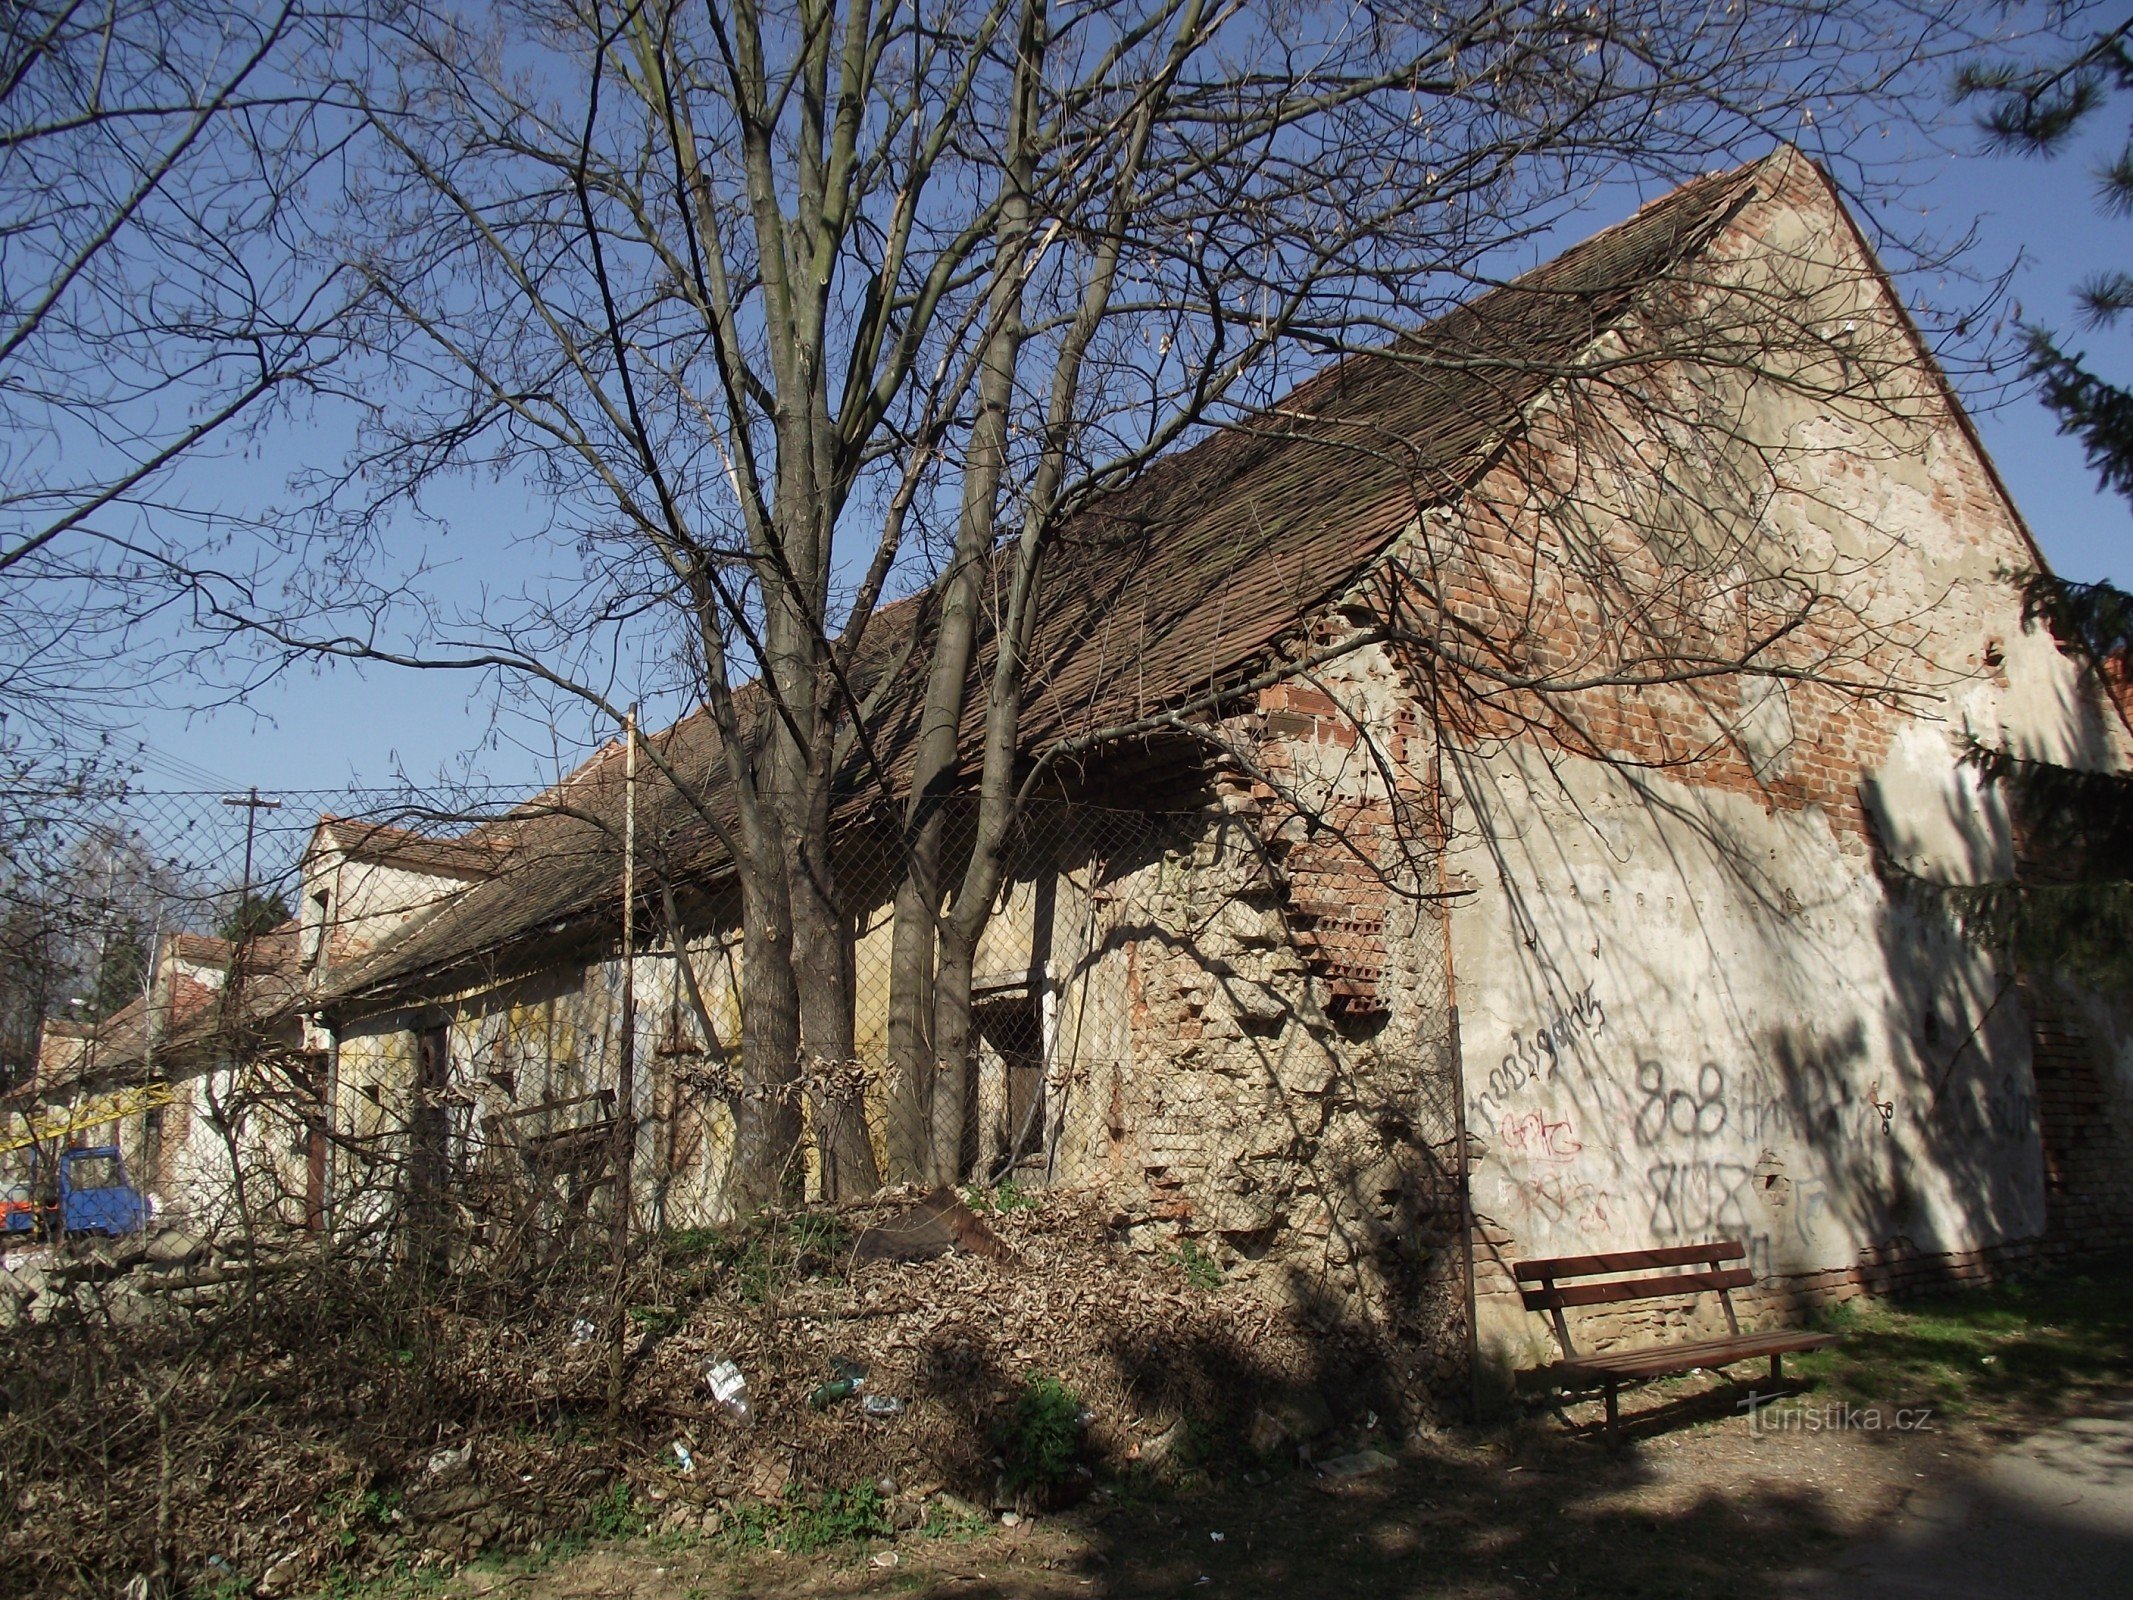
x: 325, y: 730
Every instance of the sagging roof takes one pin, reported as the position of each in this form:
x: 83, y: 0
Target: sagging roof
x: 1171, y: 587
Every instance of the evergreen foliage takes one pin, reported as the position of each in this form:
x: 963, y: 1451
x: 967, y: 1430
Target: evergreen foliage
x: 252, y: 916
x: 2037, y: 110
x: 2070, y: 909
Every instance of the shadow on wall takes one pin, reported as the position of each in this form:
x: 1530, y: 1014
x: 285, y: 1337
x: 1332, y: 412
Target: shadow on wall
x: 1732, y: 1067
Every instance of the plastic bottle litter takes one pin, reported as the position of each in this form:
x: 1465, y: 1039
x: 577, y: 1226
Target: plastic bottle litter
x: 583, y: 1331
x: 681, y: 1455
x: 729, y: 1387
x: 882, y: 1405
x: 837, y: 1389
x: 847, y: 1378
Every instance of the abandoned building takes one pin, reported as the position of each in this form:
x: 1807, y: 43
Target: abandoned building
x: 1567, y: 713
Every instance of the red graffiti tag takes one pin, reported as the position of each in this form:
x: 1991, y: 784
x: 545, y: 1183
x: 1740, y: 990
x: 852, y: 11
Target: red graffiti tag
x: 1539, y: 1138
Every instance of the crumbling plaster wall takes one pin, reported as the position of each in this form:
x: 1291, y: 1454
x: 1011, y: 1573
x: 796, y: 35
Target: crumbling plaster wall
x: 1692, y: 1003
x: 365, y: 903
x: 518, y: 1048
x: 1286, y: 1092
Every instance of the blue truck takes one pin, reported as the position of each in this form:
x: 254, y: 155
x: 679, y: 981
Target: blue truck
x: 92, y: 1194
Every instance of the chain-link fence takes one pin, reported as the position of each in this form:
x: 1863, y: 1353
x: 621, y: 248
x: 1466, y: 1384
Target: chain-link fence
x: 380, y: 1012
x: 374, y: 1060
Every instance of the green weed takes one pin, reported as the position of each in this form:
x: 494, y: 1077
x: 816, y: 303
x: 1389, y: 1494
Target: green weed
x: 756, y: 1259
x: 354, y: 1514
x: 397, y: 1582
x: 658, y: 1320
x: 1007, y: 1196
x: 1041, y: 1438
x: 801, y: 1524
x: 961, y: 1526
x: 615, y: 1514
x: 1201, y: 1270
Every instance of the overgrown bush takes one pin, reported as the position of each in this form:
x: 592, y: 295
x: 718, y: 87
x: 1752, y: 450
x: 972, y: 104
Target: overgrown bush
x: 1041, y: 1440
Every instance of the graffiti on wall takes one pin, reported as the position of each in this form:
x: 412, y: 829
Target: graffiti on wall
x: 1540, y: 1136
x: 1540, y: 1058
x: 1792, y: 1152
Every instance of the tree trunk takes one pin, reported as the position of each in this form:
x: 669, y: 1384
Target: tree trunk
x: 766, y: 1139
x: 911, y: 1055
x: 954, y: 1130
x: 928, y: 1102
x: 822, y: 962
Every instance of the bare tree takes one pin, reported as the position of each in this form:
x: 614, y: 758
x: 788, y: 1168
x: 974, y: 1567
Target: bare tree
x: 162, y: 168
x: 790, y: 310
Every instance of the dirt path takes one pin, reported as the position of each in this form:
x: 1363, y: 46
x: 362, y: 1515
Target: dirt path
x: 1712, y: 1506
x: 2049, y: 1516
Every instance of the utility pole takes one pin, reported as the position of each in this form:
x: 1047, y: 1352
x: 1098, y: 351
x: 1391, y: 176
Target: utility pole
x: 624, y: 1153
x: 253, y: 805
x: 233, y: 1004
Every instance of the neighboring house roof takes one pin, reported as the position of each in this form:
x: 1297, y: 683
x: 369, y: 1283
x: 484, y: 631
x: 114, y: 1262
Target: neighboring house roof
x: 188, y: 1014
x: 469, y: 856
x: 200, y: 950
x: 1176, y: 585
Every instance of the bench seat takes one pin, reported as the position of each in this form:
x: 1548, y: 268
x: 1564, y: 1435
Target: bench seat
x: 1671, y: 1360
x: 1670, y: 1272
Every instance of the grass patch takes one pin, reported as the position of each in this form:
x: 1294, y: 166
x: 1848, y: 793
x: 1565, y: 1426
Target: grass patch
x: 801, y: 1523
x: 2037, y: 1345
x: 615, y: 1515
x: 960, y: 1526
x: 756, y: 1258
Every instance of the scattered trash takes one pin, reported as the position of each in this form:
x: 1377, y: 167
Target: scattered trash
x: 1010, y: 1519
x: 1216, y: 1536
x: 927, y: 1228
x: 1360, y: 1464
x: 847, y: 1378
x: 449, y: 1463
x: 883, y: 1558
x: 829, y: 1394
x: 523, y: 1486
x: 1159, y: 1449
x: 729, y: 1388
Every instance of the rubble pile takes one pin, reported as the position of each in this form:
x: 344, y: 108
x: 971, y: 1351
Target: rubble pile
x: 322, y: 1418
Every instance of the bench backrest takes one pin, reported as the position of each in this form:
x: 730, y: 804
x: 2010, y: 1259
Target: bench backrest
x: 1557, y: 1279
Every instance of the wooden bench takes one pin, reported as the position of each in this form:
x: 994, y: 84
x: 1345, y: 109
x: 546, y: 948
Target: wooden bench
x: 1557, y: 1286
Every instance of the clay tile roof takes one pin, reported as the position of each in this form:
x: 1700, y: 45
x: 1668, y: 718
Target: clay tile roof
x: 1156, y: 594
x: 199, y: 950
x: 469, y: 856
